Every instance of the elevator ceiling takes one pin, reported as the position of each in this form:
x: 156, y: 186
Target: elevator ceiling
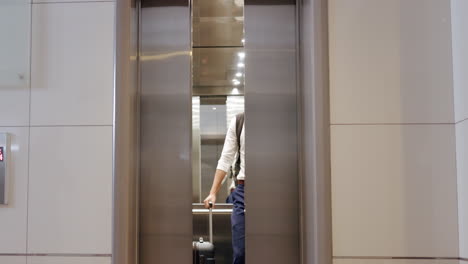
x: 218, y: 41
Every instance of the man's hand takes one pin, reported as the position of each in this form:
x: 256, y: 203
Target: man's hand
x: 218, y: 179
x: 210, y: 198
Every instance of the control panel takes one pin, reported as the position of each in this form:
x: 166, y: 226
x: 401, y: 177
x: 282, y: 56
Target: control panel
x: 4, y: 160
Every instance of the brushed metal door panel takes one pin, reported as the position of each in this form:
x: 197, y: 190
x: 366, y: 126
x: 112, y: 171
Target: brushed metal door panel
x: 165, y: 164
x: 272, y: 188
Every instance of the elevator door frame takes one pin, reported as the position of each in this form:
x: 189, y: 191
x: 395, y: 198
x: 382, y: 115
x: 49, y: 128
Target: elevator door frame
x: 313, y: 119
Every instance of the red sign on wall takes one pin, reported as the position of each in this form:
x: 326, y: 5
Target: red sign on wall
x: 1, y: 154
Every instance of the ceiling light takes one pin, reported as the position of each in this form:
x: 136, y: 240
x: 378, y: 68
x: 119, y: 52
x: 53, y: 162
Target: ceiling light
x: 241, y: 55
x: 235, y: 91
x: 243, y: 40
x: 214, y: 108
x: 240, y: 65
x: 238, y: 74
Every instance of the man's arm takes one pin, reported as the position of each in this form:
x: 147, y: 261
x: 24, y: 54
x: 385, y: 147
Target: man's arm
x: 218, y: 179
x: 224, y: 163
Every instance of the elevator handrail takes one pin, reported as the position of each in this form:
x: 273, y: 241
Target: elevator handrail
x: 215, y: 211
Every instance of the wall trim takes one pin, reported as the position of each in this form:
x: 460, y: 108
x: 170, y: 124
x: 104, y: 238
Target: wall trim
x: 394, y: 257
x: 73, y: 2
x: 314, y: 129
x: 53, y: 255
x: 125, y: 134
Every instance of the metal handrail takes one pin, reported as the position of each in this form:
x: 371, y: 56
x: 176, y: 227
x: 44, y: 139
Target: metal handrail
x: 215, y: 211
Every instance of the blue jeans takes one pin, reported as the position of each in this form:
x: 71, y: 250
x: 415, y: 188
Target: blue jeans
x: 238, y: 225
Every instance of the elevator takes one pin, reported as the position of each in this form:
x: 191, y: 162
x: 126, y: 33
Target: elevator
x: 176, y: 88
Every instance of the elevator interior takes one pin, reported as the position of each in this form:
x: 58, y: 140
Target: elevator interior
x: 183, y: 69
x: 218, y: 72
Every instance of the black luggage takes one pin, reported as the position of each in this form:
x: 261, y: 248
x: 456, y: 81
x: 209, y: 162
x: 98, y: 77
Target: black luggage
x: 204, y: 251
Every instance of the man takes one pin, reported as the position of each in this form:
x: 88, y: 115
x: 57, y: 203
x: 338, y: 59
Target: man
x: 231, y: 147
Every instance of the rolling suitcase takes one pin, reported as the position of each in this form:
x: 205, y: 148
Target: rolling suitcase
x: 204, y: 251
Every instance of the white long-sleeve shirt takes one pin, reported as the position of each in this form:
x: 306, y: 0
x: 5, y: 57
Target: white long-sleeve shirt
x: 230, y: 149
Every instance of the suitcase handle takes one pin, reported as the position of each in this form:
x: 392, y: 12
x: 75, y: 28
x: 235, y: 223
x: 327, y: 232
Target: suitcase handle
x: 210, y: 222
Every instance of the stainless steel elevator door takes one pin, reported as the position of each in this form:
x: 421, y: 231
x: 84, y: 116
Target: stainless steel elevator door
x: 272, y: 189
x: 165, y: 232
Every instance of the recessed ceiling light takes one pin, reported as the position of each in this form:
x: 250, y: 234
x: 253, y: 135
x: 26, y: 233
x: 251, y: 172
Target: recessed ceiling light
x: 240, y: 65
x: 238, y: 74
x: 241, y: 55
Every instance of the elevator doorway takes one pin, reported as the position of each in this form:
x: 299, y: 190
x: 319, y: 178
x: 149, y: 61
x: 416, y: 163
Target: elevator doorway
x: 162, y: 211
